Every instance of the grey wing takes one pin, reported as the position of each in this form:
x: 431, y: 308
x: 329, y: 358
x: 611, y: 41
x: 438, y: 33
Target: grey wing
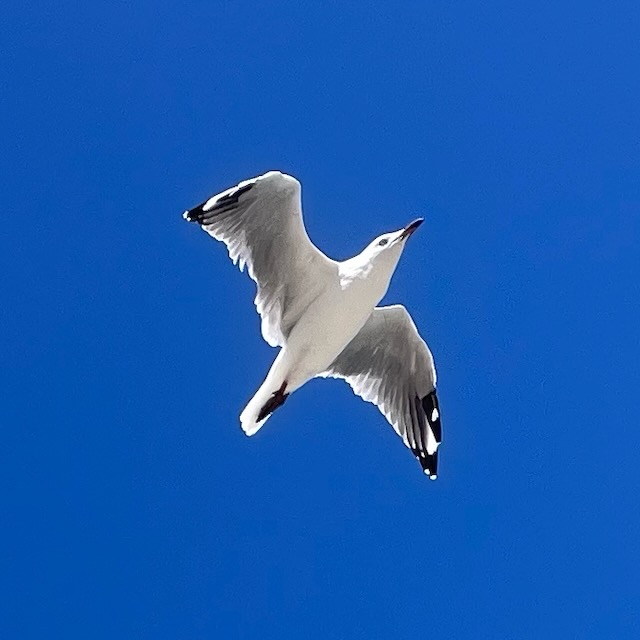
x: 260, y: 221
x: 390, y: 365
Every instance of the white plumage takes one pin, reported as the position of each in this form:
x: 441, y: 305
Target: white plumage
x: 323, y: 313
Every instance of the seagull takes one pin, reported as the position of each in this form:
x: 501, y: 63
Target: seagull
x: 323, y: 313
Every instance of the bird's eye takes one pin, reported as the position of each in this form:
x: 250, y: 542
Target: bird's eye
x: 383, y: 242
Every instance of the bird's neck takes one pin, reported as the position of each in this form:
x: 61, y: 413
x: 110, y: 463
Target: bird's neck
x: 366, y: 277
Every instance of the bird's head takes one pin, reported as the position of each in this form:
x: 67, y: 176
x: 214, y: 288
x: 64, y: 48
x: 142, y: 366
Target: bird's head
x: 386, y: 249
x: 380, y: 258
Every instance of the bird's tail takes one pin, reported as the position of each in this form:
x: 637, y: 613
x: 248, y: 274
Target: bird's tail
x: 249, y: 417
x: 271, y: 394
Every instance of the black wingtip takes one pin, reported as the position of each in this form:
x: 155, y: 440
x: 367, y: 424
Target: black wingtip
x: 432, y: 410
x: 429, y: 463
x: 216, y: 206
x: 194, y: 215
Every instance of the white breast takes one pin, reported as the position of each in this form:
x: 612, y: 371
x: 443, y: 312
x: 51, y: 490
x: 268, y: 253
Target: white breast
x: 329, y: 325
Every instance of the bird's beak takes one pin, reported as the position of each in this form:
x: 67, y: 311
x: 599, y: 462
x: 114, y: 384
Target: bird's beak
x: 410, y: 228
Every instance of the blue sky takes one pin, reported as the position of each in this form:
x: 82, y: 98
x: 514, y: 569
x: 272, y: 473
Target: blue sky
x: 133, y: 506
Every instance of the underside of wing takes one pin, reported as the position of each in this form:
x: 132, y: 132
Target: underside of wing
x: 260, y: 222
x: 389, y: 364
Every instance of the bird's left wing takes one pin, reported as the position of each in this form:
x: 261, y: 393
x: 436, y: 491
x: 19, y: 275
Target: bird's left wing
x: 390, y: 365
x: 260, y: 221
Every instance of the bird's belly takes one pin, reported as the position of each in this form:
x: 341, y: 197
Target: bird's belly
x: 322, y: 333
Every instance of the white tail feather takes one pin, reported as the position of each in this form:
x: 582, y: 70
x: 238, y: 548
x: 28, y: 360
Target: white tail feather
x: 249, y: 416
x: 276, y: 376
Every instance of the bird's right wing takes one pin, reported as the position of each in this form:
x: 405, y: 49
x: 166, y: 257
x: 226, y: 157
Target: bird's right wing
x: 260, y: 221
x: 390, y: 365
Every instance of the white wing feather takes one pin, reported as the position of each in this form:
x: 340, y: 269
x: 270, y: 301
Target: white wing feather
x: 260, y: 221
x: 390, y: 365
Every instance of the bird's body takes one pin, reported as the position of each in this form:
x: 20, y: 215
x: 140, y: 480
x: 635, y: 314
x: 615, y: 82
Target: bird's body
x: 327, y: 326
x: 319, y: 310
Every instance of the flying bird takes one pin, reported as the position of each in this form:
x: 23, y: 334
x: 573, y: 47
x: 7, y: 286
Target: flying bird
x: 323, y: 313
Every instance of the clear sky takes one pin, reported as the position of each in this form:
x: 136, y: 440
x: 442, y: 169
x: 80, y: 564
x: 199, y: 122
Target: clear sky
x: 132, y: 504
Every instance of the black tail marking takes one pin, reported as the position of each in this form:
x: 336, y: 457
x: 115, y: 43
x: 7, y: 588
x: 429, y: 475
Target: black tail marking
x: 276, y: 400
